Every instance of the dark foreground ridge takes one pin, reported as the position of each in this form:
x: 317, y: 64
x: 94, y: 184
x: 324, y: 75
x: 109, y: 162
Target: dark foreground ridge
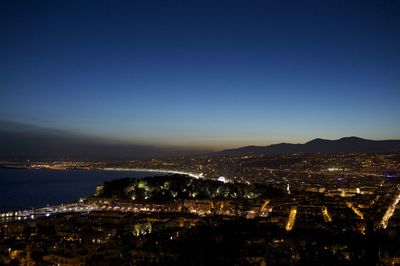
x: 343, y: 145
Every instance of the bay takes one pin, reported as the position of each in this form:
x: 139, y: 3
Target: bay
x: 22, y: 189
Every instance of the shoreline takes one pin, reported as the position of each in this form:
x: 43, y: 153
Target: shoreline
x: 118, y: 169
x: 197, y: 176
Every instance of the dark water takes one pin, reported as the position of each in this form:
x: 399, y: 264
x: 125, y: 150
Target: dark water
x: 27, y: 188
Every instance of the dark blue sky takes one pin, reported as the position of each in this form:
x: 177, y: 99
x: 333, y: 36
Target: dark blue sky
x: 208, y: 73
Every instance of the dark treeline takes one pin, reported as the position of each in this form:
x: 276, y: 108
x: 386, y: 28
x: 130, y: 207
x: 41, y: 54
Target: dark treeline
x: 170, y: 187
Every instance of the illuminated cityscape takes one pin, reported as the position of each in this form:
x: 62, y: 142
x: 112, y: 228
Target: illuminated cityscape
x: 281, y: 200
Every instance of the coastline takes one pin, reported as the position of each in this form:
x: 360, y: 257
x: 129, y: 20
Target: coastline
x: 121, y: 169
x: 195, y: 175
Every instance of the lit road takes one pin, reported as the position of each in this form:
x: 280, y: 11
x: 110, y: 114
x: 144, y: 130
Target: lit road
x: 326, y: 215
x: 197, y: 176
x: 355, y: 210
x: 291, y: 219
x: 262, y: 209
x: 389, y: 213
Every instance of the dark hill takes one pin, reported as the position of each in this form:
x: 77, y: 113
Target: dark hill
x: 175, y: 186
x: 343, y: 145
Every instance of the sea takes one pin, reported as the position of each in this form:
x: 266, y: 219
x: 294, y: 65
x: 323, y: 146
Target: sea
x: 23, y: 189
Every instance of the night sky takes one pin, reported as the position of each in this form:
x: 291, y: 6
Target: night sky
x: 202, y: 73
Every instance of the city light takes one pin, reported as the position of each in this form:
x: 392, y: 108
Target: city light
x: 291, y: 219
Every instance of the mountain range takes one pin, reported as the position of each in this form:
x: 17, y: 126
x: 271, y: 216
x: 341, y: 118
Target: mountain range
x: 22, y: 141
x: 343, y: 145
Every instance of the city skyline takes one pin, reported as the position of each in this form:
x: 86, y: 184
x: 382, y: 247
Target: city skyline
x: 202, y: 74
